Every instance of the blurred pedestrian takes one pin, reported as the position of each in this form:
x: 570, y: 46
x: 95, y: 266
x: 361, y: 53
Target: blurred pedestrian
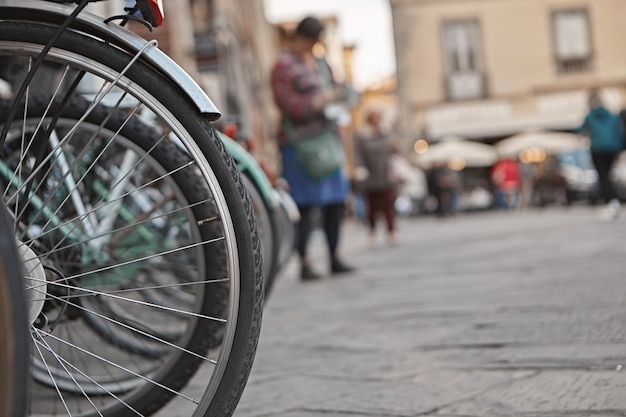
x: 605, y: 132
x: 444, y: 183
x: 507, y: 180
x: 303, y: 86
x: 373, y: 156
x: 549, y: 182
x: 527, y: 184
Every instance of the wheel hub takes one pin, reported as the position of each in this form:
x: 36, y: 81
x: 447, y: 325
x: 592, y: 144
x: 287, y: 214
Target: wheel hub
x: 34, y: 280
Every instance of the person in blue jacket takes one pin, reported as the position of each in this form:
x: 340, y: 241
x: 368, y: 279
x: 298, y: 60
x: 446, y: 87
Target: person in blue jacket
x: 607, y: 141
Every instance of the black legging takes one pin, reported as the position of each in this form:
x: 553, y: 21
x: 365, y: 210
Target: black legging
x: 603, y: 161
x: 332, y: 216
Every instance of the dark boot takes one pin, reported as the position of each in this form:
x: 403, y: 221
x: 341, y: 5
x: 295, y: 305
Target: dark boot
x: 339, y: 267
x: 308, y: 274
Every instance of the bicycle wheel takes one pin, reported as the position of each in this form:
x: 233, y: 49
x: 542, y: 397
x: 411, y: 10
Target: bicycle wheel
x: 146, y: 231
x: 266, y: 221
x: 14, y: 352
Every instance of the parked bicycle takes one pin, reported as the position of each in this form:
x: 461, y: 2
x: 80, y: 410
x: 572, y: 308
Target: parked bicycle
x: 143, y: 247
x: 275, y: 211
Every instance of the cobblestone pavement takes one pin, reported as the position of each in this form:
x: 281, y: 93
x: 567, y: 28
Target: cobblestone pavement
x: 486, y: 314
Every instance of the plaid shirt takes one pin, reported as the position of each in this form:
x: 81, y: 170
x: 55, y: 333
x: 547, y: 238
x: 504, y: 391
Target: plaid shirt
x: 294, y: 85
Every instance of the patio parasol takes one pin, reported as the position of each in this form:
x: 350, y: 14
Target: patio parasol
x: 468, y: 153
x: 551, y: 143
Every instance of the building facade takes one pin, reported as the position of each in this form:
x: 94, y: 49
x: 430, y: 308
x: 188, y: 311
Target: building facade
x: 487, y: 69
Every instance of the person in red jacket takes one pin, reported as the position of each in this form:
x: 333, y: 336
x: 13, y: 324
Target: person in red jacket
x: 507, y: 179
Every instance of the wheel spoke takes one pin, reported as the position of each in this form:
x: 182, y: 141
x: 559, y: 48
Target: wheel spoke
x: 136, y: 330
x: 138, y: 302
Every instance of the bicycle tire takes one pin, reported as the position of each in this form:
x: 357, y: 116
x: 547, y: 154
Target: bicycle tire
x: 266, y: 220
x: 14, y: 337
x: 286, y: 223
x: 236, y: 340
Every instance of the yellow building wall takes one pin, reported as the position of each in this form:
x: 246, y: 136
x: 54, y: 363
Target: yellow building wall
x: 518, y: 50
x: 517, y: 41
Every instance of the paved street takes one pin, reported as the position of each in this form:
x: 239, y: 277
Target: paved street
x: 486, y: 314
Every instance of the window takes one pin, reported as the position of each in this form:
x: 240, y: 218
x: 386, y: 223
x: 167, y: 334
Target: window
x: 202, y: 12
x: 463, y: 60
x: 572, y: 41
x: 202, y: 15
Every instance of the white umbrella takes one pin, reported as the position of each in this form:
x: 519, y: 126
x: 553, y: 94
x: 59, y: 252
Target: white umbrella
x: 550, y: 142
x: 463, y: 152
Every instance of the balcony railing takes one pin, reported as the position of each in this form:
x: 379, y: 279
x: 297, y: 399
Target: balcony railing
x: 207, y: 54
x: 574, y: 65
x: 465, y: 86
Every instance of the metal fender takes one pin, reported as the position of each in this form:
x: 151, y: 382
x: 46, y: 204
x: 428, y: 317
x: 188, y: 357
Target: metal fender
x: 247, y: 164
x: 55, y: 13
